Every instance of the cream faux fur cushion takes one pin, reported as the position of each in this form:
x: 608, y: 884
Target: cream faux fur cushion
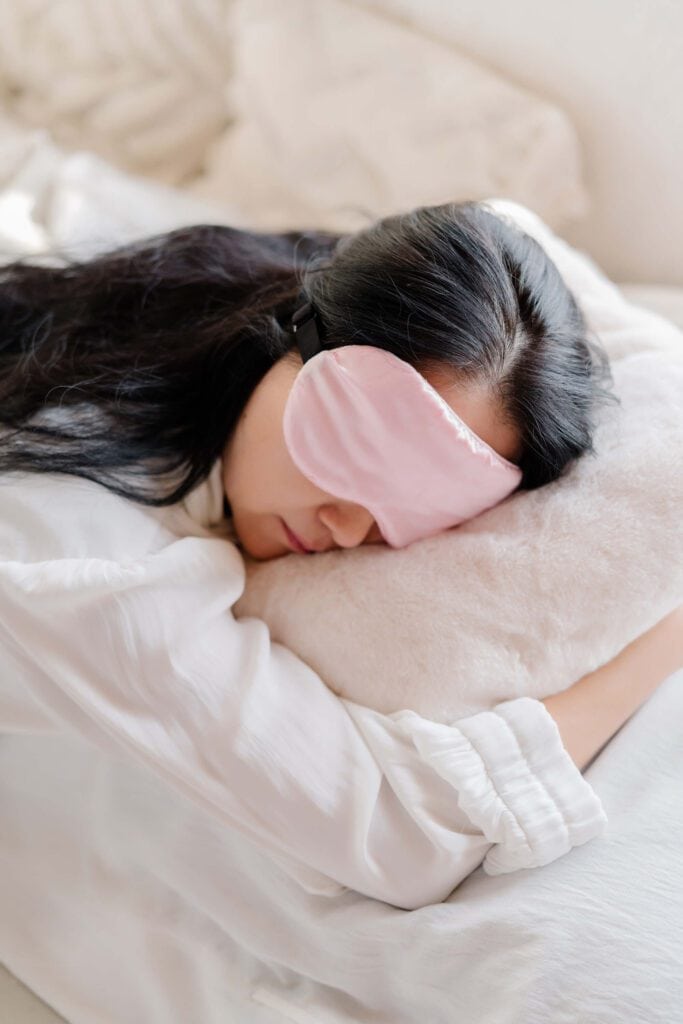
x: 534, y: 593
x: 343, y: 116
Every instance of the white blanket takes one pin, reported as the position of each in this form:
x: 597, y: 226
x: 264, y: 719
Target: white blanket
x: 124, y: 903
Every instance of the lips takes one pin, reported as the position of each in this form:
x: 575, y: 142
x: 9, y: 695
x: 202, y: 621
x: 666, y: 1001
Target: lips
x: 295, y: 543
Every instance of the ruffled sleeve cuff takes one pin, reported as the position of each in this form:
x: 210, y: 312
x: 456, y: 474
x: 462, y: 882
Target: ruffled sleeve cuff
x: 515, y: 782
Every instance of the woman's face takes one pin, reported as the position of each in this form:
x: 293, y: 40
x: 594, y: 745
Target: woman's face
x: 273, y: 503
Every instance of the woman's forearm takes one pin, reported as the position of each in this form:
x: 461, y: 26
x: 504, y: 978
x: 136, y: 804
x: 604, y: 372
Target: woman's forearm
x: 590, y: 712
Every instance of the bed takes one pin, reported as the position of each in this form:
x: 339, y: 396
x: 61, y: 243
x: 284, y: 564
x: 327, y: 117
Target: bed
x: 123, y: 902
x: 111, y: 910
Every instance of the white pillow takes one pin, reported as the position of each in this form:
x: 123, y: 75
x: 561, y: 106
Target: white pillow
x: 140, y: 82
x: 531, y: 595
x: 343, y: 116
x: 77, y: 203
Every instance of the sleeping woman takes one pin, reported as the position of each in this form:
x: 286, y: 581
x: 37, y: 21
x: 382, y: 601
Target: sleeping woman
x: 328, y: 391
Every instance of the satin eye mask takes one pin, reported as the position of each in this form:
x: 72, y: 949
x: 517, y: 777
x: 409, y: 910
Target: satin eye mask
x: 366, y: 427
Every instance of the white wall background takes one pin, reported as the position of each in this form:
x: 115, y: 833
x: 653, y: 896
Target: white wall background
x: 616, y: 67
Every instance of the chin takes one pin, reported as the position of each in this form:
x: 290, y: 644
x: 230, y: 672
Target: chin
x: 260, y: 556
x: 260, y: 548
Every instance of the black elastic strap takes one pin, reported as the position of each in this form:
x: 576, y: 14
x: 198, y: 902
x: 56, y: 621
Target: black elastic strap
x: 306, y: 331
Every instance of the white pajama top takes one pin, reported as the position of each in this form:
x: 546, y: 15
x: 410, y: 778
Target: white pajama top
x: 116, y: 622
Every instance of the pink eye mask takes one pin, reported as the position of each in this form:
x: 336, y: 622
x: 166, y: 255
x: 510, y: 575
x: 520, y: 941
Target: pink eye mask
x: 366, y: 427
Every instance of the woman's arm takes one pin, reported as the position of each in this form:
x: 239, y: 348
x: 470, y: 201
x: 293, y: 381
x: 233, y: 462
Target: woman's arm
x: 590, y: 712
x: 145, y: 657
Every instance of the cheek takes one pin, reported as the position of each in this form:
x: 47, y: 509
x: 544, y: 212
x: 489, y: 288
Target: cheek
x: 271, y: 486
x: 252, y: 473
x: 294, y: 490
x: 260, y: 538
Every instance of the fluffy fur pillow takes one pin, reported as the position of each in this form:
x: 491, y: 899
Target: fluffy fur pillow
x: 531, y: 595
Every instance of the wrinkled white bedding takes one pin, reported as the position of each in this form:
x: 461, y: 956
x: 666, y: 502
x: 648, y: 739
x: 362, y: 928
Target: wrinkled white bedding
x: 212, y: 94
x: 123, y: 901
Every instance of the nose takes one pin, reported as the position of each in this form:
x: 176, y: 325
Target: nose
x: 348, y: 524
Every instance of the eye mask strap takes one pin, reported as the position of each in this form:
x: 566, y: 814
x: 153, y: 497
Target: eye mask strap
x: 307, y: 329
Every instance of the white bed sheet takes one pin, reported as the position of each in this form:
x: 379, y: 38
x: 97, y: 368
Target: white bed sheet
x: 102, y: 865
x: 20, y: 1006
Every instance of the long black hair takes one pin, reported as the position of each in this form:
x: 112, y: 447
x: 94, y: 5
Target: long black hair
x: 132, y: 368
